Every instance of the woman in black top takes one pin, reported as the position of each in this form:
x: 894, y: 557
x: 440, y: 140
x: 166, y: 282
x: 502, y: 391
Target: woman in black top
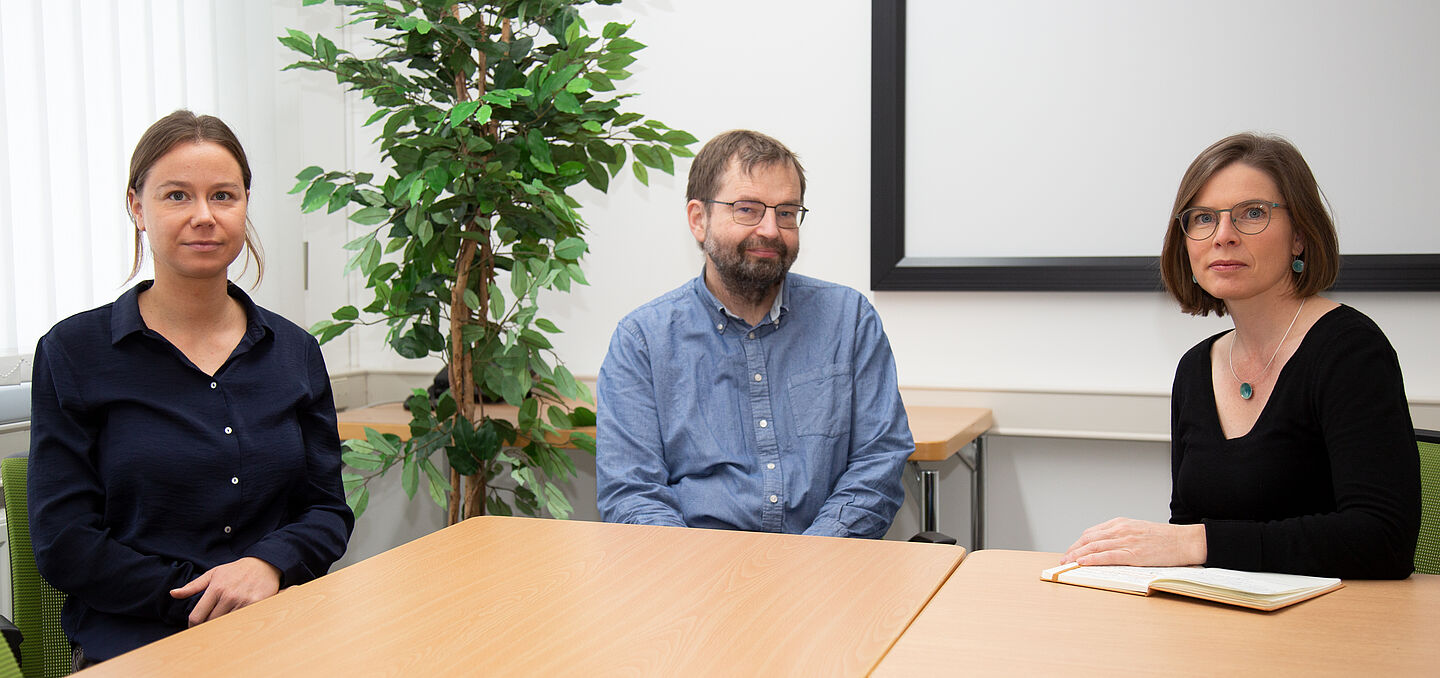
x: 1292, y: 448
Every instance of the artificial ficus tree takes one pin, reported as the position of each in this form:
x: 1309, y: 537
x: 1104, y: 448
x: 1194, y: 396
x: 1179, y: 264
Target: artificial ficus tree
x: 488, y: 113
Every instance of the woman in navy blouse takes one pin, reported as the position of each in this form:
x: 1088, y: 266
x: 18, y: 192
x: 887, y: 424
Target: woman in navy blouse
x: 184, y: 460
x: 1291, y: 443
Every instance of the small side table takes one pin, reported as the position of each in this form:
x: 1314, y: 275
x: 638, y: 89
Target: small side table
x: 940, y: 432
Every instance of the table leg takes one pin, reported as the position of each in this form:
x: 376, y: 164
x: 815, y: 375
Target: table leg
x: 976, y: 464
x: 929, y: 484
x: 977, y: 497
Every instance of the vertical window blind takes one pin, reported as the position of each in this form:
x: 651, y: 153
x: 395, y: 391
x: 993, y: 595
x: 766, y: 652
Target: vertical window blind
x: 80, y: 81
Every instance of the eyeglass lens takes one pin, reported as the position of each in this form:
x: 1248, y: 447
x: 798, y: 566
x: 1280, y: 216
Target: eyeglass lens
x: 750, y: 212
x: 1249, y: 217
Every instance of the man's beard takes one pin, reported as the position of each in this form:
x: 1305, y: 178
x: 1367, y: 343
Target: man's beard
x: 750, y: 278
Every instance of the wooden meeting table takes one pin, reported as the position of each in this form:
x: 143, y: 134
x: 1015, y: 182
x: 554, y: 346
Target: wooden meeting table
x: 996, y: 617
x: 498, y: 596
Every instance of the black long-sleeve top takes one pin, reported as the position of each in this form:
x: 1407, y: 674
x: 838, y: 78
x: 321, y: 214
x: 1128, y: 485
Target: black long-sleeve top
x: 1326, y: 483
x: 145, y: 472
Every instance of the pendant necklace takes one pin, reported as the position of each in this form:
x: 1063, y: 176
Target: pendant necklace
x: 1246, y: 390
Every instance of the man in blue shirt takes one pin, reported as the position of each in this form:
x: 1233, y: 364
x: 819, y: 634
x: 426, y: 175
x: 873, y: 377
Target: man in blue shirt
x: 751, y: 398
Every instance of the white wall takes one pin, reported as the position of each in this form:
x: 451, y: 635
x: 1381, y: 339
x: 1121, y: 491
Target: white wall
x: 800, y: 71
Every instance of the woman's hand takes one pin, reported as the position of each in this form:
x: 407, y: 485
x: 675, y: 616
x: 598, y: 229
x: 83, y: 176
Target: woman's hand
x: 230, y: 587
x: 1124, y: 541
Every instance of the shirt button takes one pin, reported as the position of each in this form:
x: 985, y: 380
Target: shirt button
x: 757, y: 376
x: 234, y: 480
x: 227, y: 529
x: 229, y: 430
x: 752, y: 335
x: 770, y: 466
x: 214, y: 385
x: 720, y: 327
x: 764, y: 423
x: 773, y: 499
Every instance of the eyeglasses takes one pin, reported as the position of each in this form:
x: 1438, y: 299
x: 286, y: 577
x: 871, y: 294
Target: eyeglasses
x: 750, y: 212
x: 1249, y: 217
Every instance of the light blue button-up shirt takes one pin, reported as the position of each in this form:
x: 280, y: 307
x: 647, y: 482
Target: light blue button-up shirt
x: 794, y: 425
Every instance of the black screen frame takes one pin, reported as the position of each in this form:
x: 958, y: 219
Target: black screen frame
x: 891, y: 270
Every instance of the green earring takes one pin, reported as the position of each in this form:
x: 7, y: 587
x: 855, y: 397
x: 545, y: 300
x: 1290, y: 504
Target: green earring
x: 1297, y: 266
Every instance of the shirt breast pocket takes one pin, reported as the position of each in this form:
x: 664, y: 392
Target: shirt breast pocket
x: 820, y: 401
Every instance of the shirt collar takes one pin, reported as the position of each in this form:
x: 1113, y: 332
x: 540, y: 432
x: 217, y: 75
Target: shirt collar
x: 777, y: 307
x: 125, y: 317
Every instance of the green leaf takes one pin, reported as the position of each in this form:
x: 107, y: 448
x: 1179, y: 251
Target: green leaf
x: 535, y: 339
x: 646, y: 154
x: 318, y: 195
x: 614, y: 30
x: 462, y: 111
x: 565, y: 381
x: 519, y: 283
x: 497, y: 302
x: 592, y: 126
x: 483, y: 114
x: 547, y: 326
x: 369, y: 216
x: 640, y: 172
x: 624, y: 45
x: 566, y: 102
x: 309, y: 173
x: 462, y: 454
x: 360, y: 242
x: 579, y: 85
x: 359, y: 501
x: 363, y: 461
x: 599, y: 82
x: 678, y: 137
x: 410, y: 476
x: 539, y: 151
x: 472, y: 300
x: 558, y: 417
x: 339, y: 198
x: 581, y: 417
x: 438, y: 485
x: 298, y: 41
x: 370, y: 258
x: 570, y: 248
x: 555, y: 501
x: 345, y: 313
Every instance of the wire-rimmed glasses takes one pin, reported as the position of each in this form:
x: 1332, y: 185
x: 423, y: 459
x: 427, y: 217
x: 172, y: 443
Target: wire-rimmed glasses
x: 1249, y: 217
x: 750, y: 212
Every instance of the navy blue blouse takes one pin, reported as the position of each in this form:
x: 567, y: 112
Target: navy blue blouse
x: 145, y: 472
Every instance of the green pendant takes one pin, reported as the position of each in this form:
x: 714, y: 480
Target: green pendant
x: 1246, y: 391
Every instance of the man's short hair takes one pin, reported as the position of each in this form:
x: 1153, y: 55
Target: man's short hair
x: 751, y: 149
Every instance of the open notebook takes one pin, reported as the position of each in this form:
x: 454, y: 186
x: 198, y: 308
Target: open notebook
x: 1258, y: 590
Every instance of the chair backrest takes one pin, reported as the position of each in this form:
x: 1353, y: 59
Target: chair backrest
x: 1427, y: 550
x: 8, y: 667
x: 45, y: 652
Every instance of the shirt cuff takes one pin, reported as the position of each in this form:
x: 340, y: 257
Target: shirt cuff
x: 827, y: 527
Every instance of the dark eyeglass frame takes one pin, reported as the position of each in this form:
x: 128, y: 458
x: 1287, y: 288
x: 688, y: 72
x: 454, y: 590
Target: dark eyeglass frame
x: 1210, y: 232
x: 800, y: 211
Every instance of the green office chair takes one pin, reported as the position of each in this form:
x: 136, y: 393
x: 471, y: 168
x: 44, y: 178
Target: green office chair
x: 1427, y: 550
x: 8, y: 667
x: 45, y: 651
